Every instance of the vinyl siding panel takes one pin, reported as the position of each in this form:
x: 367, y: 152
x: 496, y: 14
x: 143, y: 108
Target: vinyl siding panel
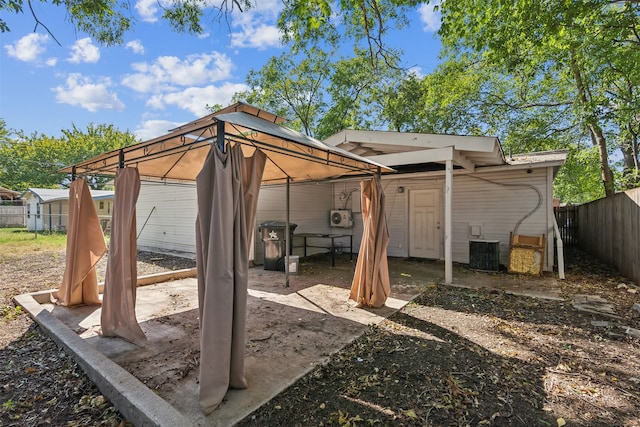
x: 309, y: 209
x: 495, y: 206
x: 169, y: 210
x: 495, y: 201
x: 347, y: 195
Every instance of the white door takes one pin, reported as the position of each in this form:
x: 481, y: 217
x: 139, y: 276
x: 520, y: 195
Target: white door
x: 424, y: 223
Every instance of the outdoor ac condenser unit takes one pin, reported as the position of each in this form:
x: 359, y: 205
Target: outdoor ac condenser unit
x: 341, y: 218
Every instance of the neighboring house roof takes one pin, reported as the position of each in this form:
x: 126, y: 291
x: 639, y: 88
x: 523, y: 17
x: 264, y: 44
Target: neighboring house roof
x: 5, y: 192
x: 46, y: 195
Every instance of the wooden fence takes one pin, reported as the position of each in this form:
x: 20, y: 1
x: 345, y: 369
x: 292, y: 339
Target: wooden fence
x: 13, y: 216
x: 609, y: 229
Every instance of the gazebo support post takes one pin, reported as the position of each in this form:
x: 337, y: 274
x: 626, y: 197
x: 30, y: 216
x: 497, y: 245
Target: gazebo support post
x: 448, y: 193
x: 287, y: 239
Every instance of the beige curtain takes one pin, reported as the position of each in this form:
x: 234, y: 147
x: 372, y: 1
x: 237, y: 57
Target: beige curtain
x: 370, y: 286
x: 85, y: 247
x: 222, y: 255
x: 119, y: 299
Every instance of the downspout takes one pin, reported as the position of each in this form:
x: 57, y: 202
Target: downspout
x: 560, y: 249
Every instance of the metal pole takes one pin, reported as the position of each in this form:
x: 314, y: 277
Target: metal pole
x: 287, y: 241
x: 220, y: 136
x: 448, y: 197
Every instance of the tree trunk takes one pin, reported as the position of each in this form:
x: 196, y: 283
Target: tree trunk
x: 599, y: 140
x: 630, y: 170
x: 597, y: 136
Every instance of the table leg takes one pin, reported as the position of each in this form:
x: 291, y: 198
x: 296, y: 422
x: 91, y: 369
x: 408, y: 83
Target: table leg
x: 305, y: 246
x: 350, y: 247
x: 333, y: 252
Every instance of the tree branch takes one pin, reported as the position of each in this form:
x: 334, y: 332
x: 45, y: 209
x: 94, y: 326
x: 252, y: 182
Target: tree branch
x: 38, y: 22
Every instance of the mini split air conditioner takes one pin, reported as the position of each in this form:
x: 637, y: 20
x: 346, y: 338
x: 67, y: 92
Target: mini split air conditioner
x: 341, y: 218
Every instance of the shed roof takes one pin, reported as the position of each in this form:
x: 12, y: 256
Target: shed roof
x: 47, y: 195
x: 406, y: 149
x: 409, y: 148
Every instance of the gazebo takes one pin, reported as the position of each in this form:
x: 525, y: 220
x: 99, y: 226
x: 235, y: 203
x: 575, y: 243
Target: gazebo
x: 229, y: 152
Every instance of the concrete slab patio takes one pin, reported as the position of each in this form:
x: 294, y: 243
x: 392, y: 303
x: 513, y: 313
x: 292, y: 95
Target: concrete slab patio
x: 289, y: 331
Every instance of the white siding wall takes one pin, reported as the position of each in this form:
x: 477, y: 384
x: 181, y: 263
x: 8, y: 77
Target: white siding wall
x: 309, y: 209
x: 496, y: 208
x: 171, y: 225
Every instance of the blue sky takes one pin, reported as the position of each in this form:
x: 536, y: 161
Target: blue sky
x: 158, y: 78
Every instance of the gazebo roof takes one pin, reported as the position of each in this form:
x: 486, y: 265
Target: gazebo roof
x: 180, y: 154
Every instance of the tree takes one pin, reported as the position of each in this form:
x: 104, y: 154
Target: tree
x: 557, y: 70
x: 572, y: 52
x: 5, y: 134
x: 320, y: 94
x: 34, y: 160
x: 108, y: 20
x: 291, y: 86
x: 306, y: 23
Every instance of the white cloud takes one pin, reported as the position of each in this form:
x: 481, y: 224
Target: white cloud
x: 416, y: 71
x: 195, y: 99
x: 84, y: 50
x: 28, y: 48
x: 148, y: 9
x: 429, y: 17
x: 51, y: 62
x: 258, y: 36
x: 136, y: 46
x: 170, y: 71
x: 93, y: 96
x: 154, y: 128
x: 257, y: 27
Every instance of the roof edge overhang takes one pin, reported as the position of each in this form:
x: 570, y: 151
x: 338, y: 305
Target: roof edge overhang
x: 466, y: 151
x: 486, y: 169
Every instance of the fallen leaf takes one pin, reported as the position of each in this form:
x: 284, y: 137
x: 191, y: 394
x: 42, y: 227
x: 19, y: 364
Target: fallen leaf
x: 30, y: 370
x: 278, y: 407
x: 561, y: 422
x: 411, y: 413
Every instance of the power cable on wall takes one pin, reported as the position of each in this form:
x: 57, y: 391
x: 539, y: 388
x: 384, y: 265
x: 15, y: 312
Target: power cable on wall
x: 515, y: 229
x: 346, y: 195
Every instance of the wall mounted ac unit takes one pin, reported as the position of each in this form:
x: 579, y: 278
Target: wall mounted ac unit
x: 341, y: 218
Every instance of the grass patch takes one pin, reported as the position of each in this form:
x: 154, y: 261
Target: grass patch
x: 19, y: 241
x: 10, y: 312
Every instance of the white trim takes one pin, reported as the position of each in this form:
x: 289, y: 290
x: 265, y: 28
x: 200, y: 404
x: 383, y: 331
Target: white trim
x: 414, y: 157
x: 486, y: 144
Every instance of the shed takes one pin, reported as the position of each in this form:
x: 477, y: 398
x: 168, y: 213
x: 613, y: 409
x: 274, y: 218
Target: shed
x: 48, y: 208
x: 490, y: 196
x: 452, y: 189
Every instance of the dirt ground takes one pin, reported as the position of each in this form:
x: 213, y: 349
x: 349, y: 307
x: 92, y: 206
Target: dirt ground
x: 452, y: 357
